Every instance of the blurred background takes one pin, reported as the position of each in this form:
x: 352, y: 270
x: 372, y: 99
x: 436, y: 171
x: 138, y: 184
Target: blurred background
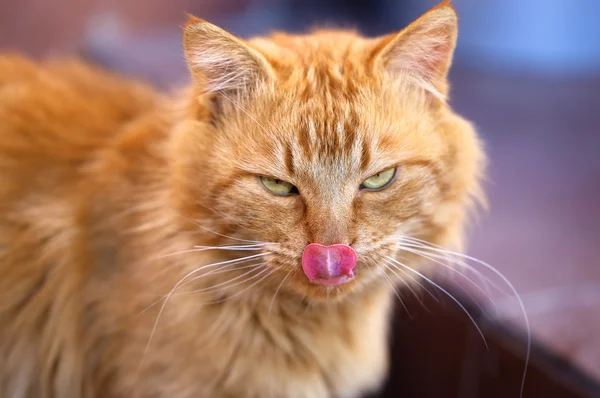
x: 526, y: 72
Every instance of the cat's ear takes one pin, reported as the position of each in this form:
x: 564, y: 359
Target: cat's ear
x: 222, y: 63
x: 423, y: 51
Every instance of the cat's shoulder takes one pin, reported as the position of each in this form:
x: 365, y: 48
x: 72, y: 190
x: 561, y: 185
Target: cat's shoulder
x: 58, y: 117
x: 46, y: 107
x: 67, y: 84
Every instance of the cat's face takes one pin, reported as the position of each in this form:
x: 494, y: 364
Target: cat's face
x: 332, y: 146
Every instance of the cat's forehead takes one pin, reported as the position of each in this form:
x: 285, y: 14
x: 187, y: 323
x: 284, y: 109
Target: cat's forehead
x: 332, y: 44
x: 325, y: 141
x: 334, y: 58
x: 329, y: 116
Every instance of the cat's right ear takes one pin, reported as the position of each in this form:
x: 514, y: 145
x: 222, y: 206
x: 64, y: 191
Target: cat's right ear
x: 222, y: 63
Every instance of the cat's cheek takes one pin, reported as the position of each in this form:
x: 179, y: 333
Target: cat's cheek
x: 273, y: 218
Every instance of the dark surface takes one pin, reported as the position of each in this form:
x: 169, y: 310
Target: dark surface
x: 437, y: 352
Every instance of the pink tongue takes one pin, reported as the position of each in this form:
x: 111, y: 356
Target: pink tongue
x: 328, y: 263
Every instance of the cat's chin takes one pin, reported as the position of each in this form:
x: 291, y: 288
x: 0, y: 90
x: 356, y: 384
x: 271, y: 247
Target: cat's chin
x: 336, y: 281
x: 327, y: 290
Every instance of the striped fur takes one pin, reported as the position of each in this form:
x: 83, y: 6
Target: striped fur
x: 107, y: 186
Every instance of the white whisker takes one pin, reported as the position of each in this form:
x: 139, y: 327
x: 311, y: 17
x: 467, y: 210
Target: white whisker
x: 213, y: 287
x: 227, y: 219
x: 198, y: 249
x: 452, y: 269
x: 232, y: 268
x: 244, y: 290
x: 445, y: 292
x: 220, y: 234
x: 153, y: 331
x: 232, y: 264
x: 232, y: 247
x: 450, y: 255
x: 277, y: 291
x: 441, y: 250
x: 221, y: 269
x: 398, y: 294
x: 417, y: 282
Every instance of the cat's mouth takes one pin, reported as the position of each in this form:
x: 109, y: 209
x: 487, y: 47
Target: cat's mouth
x: 329, y: 265
x: 326, y: 273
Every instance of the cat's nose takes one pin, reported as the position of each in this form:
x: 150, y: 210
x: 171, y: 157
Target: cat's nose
x: 329, y: 265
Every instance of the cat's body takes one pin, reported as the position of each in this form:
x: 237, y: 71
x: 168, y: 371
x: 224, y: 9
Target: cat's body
x: 68, y: 275
x: 107, y: 187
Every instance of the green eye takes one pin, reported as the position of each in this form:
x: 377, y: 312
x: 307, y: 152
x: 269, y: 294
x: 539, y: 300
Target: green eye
x: 379, y: 180
x: 278, y: 187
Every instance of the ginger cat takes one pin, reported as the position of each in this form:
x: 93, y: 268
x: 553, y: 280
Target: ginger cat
x: 239, y: 239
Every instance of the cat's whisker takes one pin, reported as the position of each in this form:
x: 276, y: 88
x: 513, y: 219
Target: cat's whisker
x: 393, y: 285
x: 225, y: 218
x: 277, y: 291
x: 461, y: 264
x: 236, y: 246
x: 220, y: 234
x: 409, y: 276
x: 517, y: 297
x: 166, y: 300
x: 475, y: 301
x: 224, y: 268
x: 458, y: 259
x: 484, y: 280
x: 446, y: 293
x: 245, y: 289
x: 227, y: 282
x: 230, y: 266
x: 456, y: 272
x: 408, y: 286
x: 231, y: 237
x: 452, y: 269
x: 452, y: 257
x: 199, y: 249
x: 232, y: 248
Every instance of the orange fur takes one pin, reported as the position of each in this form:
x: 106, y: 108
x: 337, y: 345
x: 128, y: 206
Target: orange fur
x: 106, y: 186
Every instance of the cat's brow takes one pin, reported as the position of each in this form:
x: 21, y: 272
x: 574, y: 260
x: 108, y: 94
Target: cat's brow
x: 289, y: 159
x: 329, y: 129
x: 365, y: 159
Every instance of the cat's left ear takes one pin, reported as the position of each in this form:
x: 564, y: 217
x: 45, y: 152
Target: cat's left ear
x: 423, y: 51
x: 222, y: 63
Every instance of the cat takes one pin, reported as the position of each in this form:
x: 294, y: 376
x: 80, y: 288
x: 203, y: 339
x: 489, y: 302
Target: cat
x: 239, y: 238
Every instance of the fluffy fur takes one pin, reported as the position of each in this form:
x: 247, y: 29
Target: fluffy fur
x: 106, y: 188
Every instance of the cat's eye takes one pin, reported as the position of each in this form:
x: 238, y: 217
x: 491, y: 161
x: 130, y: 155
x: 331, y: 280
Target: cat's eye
x: 379, y: 180
x: 278, y: 187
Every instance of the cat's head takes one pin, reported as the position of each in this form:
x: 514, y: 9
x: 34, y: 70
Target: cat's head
x: 328, y: 145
